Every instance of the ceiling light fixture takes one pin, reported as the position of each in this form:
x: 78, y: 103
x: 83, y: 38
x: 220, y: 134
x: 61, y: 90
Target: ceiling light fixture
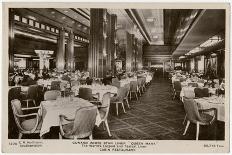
x: 150, y: 19
x: 66, y: 11
x: 155, y: 37
x: 32, y: 17
x: 53, y: 12
x: 63, y: 17
x: 212, y: 41
x: 182, y: 57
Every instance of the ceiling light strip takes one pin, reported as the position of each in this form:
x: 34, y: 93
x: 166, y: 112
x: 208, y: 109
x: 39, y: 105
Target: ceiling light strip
x: 137, y: 23
x: 35, y: 36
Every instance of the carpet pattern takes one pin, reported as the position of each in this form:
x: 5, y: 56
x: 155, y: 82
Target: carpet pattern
x: 155, y: 116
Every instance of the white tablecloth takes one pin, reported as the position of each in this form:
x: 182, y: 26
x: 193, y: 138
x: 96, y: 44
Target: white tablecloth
x: 101, y: 89
x: 123, y: 82
x: 47, y: 83
x: 213, y: 102
x: 61, y: 106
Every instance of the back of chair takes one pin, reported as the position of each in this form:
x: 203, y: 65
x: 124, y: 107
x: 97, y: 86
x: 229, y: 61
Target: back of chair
x: 105, y: 105
x: 84, y: 122
x: 143, y: 80
x: 14, y: 93
x: 127, y: 87
x: 201, y: 81
x: 122, y: 92
x: 177, y: 86
x: 182, y: 79
x: 51, y: 95
x: 191, y: 110
x: 85, y: 93
x: 133, y: 86
x: 75, y: 83
x: 139, y: 82
x: 115, y: 82
x: 199, y: 92
x: 17, y: 110
x: 55, y: 85
x: 33, y: 92
x: 63, y: 85
x: 193, y: 84
x: 189, y: 93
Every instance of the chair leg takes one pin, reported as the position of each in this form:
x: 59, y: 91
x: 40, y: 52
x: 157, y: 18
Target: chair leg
x: 34, y: 103
x: 60, y: 137
x: 186, y: 128
x: 198, y: 128
x: 20, y: 135
x: 185, y: 118
x: 117, y: 109
x: 127, y: 102
x: 174, y: 95
x: 130, y: 95
x: 103, y: 126
x: 91, y: 137
x: 123, y: 107
x: 107, y: 127
x: 27, y: 103
x: 136, y: 96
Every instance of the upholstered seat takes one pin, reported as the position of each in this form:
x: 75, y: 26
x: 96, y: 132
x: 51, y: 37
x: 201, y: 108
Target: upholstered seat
x: 29, y: 124
x: 119, y: 99
x: 81, y: 126
x: 51, y: 95
x: 26, y: 123
x: 198, y: 116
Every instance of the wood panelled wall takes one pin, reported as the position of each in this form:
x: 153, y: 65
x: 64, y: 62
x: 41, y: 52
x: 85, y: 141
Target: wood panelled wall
x: 102, y: 36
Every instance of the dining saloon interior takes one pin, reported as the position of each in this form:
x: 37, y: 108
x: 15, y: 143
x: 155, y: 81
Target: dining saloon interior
x: 130, y: 74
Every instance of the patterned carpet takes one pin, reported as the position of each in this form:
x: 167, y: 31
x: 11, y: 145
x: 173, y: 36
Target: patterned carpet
x: 155, y: 116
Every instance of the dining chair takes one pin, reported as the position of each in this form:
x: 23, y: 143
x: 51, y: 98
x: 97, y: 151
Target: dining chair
x: 51, y: 95
x: 182, y: 79
x: 65, y: 90
x: 198, y: 116
x: 140, y: 86
x: 55, y: 85
x: 201, y: 81
x: 193, y: 84
x: 176, y: 89
x: 31, y: 95
x: 119, y: 99
x: 126, y: 98
x: 81, y: 126
x: 201, y: 92
x: 144, y: 84
x: 25, y: 122
x: 134, y: 89
x: 104, y: 111
x: 188, y: 93
x: 115, y: 82
x: 86, y: 94
x: 75, y: 83
x: 13, y: 93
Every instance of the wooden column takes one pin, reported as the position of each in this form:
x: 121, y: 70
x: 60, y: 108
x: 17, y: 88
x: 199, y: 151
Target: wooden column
x: 60, y: 55
x: 140, y: 55
x: 70, y: 52
x: 11, y: 41
x: 97, y: 48
x: 129, y: 52
x: 111, y: 46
